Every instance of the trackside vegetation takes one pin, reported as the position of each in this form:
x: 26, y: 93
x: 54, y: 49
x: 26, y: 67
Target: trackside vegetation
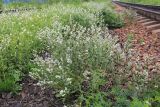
x: 67, y: 46
x: 1, y: 4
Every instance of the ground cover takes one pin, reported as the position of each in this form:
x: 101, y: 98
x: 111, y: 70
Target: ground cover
x: 149, y: 2
x: 64, y: 55
x: 18, y: 4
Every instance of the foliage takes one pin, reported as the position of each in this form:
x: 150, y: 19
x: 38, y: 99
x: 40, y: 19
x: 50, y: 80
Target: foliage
x: 88, y: 64
x: 73, y: 53
x: 113, y: 20
x: 137, y: 103
x: 68, y: 47
x: 0, y: 4
x: 18, y: 40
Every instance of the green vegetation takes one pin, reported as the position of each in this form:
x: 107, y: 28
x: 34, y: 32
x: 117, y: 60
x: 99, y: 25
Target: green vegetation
x: 68, y: 47
x: 34, y: 3
x: 18, y: 35
x: 112, y: 19
x: 0, y: 4
x: 151, y: 2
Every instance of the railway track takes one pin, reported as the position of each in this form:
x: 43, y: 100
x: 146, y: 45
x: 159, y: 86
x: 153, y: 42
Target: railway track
x: 148, y: 15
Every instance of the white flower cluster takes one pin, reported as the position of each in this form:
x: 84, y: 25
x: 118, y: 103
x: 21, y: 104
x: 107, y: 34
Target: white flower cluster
x: 4, y: 43
x: 70, y: 46
x: 62, y: 93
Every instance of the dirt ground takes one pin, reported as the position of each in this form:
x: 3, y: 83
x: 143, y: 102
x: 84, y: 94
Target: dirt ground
x: 145, y: 44
x: 31, y: 95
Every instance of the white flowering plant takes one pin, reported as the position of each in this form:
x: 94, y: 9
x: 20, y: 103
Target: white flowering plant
x: 72, y: 50
x: 18, y: 37
x: 69, y: 47
x: 81, y: 61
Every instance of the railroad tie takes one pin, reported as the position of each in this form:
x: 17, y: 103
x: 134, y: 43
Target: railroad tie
x: 144, y: 20
x: 141, y: 18
x: 153, y: 27
x: 157, y: 31
x: 149, y: 23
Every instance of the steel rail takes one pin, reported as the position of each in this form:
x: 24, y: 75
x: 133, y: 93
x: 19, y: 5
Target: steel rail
x: 149, y: 11
x: 140, y: 5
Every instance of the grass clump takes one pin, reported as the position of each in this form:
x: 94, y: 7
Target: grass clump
x: 106, y: 14
x: 112, y: 19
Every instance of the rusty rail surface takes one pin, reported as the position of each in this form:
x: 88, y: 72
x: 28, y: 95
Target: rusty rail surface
x: 149, y: 11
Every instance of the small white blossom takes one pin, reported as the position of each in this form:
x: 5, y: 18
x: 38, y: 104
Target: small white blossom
x: 58, y: 76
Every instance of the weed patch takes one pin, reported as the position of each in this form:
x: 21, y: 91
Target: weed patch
x: 68, y: 47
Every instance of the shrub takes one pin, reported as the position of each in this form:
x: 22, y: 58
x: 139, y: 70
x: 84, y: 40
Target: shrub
x: 73, y: 51
x: 112, y: 19
x: 86, y: 20
x: 106, y: 13
x: 15, y: 58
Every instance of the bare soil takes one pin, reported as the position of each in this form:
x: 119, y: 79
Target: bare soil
x: 31, y: 95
